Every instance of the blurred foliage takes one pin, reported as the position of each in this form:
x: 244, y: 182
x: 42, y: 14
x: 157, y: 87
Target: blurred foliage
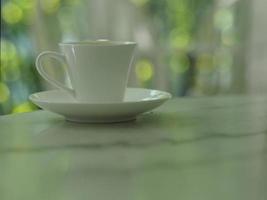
x: 192, y: 44
x: 144, y: 70
x: 17, y: 76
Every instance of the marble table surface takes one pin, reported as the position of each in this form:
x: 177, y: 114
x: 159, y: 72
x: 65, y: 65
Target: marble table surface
x: 189, y: 149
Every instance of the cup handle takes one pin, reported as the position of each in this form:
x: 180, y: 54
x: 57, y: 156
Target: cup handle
x: 40, y: 68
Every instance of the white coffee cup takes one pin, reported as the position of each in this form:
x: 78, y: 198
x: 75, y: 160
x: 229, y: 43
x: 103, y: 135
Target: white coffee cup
x: 98, y: 70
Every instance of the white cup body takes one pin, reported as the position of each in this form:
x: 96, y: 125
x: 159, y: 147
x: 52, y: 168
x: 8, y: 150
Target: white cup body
x: 98, y: 70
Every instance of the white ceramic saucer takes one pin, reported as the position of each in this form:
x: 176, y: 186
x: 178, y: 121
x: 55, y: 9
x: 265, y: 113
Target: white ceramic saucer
x: 137, y: 101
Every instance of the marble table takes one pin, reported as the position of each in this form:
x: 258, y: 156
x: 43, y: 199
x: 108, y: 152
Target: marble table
x: 189, y: 149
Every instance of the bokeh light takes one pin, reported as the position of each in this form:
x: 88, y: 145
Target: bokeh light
x: 9, y: 61
x: 11, y: 13
x: 180, y: 41
x: 23, y: 107
x: 8, y: 51
x: 50, y: 6
x: 26, y: 4
x: 28, y: 8
x: 144, y: 70
x: 4, y: 92
x: 11, y: 72
x: 224, y: 19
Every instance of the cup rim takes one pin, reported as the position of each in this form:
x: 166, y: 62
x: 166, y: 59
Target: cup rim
x: 101, y: 42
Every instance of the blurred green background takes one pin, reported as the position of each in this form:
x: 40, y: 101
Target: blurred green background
x: 186, y: 47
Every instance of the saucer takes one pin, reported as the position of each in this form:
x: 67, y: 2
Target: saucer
x: 136, y: 102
